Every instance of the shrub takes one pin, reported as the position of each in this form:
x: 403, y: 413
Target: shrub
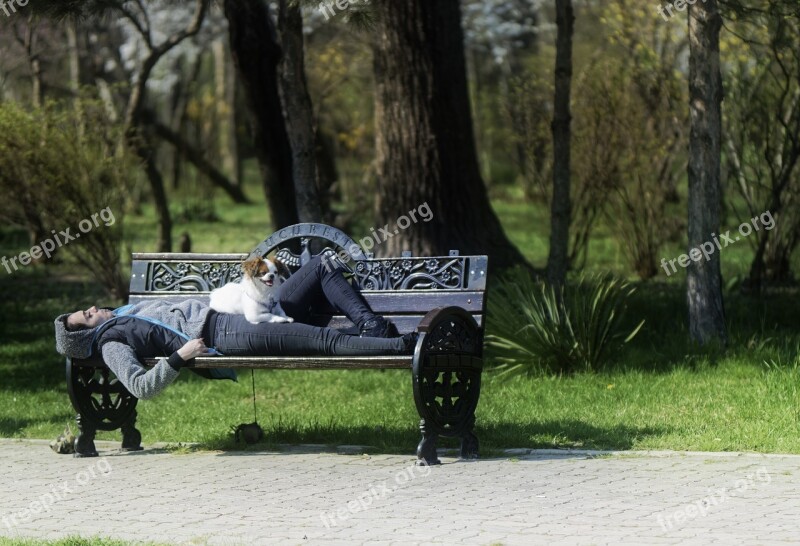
x: 535, y: 327
x: 59, y: 165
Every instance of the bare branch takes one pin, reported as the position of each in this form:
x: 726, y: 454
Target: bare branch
x: 201, y: 8
x: 144, y: 31
x: 137, y: 94
x: 146, y: 16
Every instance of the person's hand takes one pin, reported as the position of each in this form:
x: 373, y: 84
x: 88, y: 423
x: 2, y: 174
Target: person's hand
x: 193, y: 348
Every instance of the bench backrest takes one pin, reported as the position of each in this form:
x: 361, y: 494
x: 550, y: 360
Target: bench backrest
x: 402, y: 289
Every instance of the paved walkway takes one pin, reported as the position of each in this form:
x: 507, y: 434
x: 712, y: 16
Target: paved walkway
x: 307, y: 497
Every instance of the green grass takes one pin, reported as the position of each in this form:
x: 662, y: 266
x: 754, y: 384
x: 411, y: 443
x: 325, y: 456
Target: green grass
x: 660, y: 394
x: 69, y: 541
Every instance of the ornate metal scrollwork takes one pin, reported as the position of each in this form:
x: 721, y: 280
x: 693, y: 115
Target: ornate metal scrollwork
x: 453, y: 336
x: 405, y: 273
x: 102, y: 403
x: 368, y: 273
x: 168, y: 276
x: 101, y: 400
x: 447, y: 377
x: 449, y: 397
x: 410, y: 273
x: 306, y: 233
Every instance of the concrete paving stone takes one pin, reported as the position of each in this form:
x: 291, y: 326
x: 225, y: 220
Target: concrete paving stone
x: 267, y: 498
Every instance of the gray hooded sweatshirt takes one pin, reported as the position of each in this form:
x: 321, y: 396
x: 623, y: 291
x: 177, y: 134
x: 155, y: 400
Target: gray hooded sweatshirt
x: 187, y: 316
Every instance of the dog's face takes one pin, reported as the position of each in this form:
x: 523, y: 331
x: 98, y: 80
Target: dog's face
x: 263, y: 272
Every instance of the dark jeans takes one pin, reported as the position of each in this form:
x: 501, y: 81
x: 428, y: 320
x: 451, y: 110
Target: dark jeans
x: 314, y: 284
x: 318, y: 283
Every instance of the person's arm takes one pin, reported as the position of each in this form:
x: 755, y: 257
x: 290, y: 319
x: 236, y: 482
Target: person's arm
x: 141, y: 382
x: 144, y: 383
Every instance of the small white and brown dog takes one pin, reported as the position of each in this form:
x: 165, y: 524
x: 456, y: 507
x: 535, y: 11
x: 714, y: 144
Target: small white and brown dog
x: 254, y: 295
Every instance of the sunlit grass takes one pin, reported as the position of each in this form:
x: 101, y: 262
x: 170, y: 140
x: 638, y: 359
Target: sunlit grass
x: 70, y: 541
x: 661, y: 393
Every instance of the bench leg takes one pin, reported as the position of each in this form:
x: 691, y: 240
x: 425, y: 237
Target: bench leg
x: 426, y: 450
x: 469, y: 442
x: 102, y: 403
x: 84, y: 442
x: 446, y: 373
x: 131, y: 437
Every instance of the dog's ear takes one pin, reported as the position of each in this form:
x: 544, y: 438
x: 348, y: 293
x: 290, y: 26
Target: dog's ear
x: 251, y: 265
x: 283, y: 270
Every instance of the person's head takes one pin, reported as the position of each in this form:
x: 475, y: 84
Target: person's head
x: 91, y: 317
x: 75, y: 332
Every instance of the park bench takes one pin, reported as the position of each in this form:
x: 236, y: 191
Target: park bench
x: 442, y: 297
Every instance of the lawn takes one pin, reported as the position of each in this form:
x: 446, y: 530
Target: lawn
x: 69, y: 541
x: 660, y: 394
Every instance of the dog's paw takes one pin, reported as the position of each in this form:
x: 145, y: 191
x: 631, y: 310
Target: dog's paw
x: 276, y: 318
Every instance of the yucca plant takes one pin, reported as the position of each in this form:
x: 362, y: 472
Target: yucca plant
x: 534, y: 327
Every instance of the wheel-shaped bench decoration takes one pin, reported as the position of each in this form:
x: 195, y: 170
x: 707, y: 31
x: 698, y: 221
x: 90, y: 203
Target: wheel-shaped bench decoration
x: 311, y: 235
x: 447, y: 369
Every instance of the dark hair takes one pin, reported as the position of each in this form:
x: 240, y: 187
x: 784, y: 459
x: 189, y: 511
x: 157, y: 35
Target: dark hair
x: 79, y: 327
x: 71, y: 328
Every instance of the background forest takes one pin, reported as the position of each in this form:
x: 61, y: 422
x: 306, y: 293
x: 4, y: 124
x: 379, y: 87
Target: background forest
x: 564, y: 139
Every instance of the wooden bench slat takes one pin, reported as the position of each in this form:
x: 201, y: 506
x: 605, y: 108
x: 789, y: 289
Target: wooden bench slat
x: 186, y: 257
x: 300, y: 362
x: 404, y: 323
x: 381, y: 302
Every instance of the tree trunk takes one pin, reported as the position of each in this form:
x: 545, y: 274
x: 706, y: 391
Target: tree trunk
x: 704, y: 278
x: 297, y: 105
x: 74, y: 61
x: 424, y: 138
x: 327, y: 177
x: 34, y: 63
x: 197, y: 158
x: 225, y: 84
x: 182, y: 94
x: 256, y: 55
x: 141, y: 142
x: 558, y: 259
x: 146, y: 153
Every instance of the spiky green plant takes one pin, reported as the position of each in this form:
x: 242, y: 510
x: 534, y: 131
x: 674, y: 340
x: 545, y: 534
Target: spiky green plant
x: 535, y: 327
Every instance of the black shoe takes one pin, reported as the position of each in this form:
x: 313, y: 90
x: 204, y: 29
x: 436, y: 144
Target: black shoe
x: 378, y: 327
x: 410, y: 342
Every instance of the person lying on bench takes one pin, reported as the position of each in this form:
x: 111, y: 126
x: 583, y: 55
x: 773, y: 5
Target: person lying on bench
x: 190, y: 328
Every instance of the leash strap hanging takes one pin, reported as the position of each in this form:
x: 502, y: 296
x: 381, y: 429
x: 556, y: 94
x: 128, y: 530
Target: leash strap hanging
x: 253, y: 376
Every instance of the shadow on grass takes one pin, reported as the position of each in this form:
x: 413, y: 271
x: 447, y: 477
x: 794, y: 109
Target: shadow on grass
x: 10, y: 426
x: 569, y: 434
x: 39, y: 375
x: 30, y: 299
